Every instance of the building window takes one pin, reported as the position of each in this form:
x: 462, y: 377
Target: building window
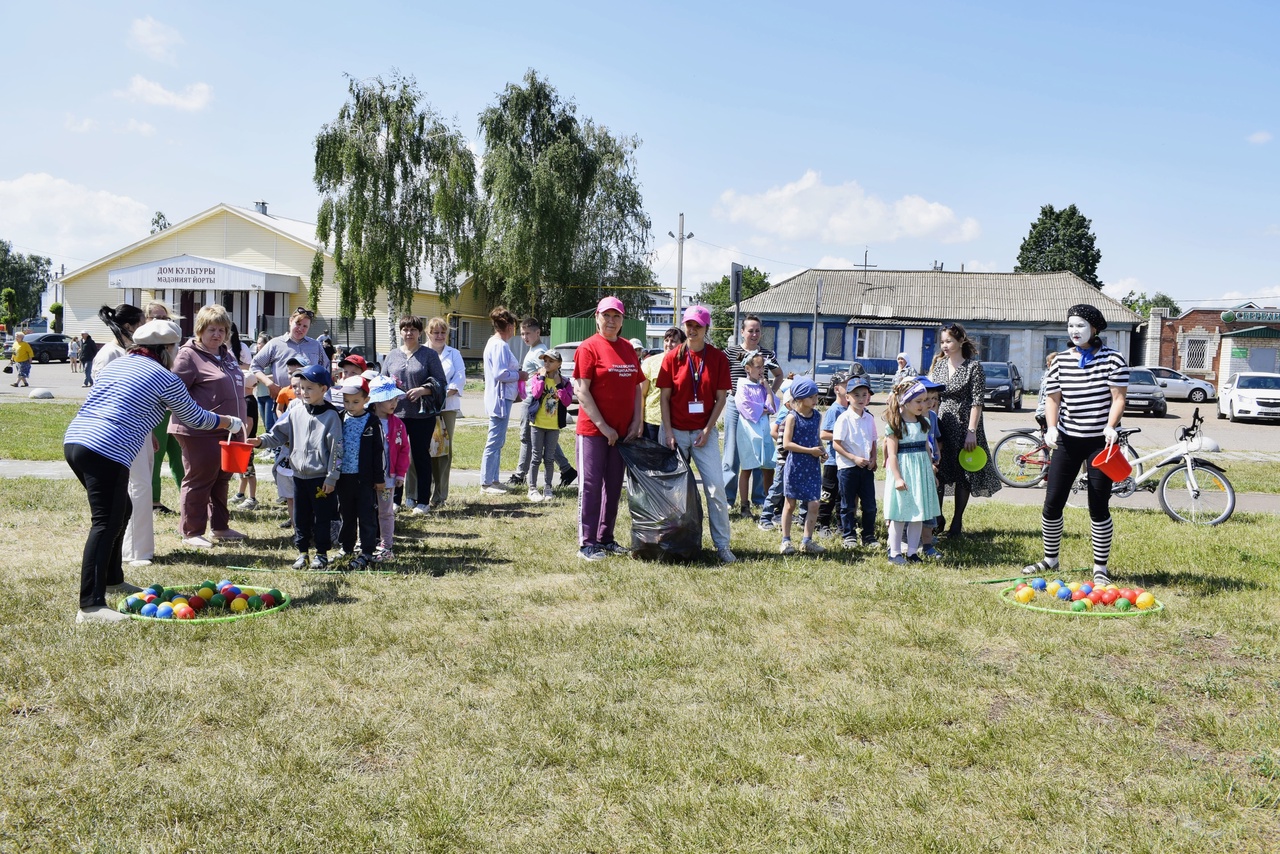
x: 800, y: 333
x: 878, y: 344
x: 833, y: 340
x: 992, y: 348
x: 1195, y: 355
x: 769, y: 335
x: 464, y: 335
x: 1054, y: 344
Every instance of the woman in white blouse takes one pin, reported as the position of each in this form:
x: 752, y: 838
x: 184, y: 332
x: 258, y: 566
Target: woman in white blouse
x: 456, y: 377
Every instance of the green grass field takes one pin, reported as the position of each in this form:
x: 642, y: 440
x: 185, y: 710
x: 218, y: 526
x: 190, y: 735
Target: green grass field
x: 501, y: 695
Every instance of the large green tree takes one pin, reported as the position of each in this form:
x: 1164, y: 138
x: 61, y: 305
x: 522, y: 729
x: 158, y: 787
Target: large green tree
x: 715, y: 296
x: 1142, y: 304
x: 564, y: 218
x: 1061, y: 240
x: 27, y: 276
x: 398, y: 197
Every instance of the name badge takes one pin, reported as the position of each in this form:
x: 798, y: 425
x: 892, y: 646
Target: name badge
x: 695, y: 407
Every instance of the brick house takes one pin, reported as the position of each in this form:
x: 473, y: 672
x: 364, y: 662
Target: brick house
x: 1202, y: 344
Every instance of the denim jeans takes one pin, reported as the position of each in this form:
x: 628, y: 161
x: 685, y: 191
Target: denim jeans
x: 708, y: 462
x: 491, y: 459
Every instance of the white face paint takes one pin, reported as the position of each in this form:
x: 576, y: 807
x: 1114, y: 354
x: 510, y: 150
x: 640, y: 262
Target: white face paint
x: 1079, y: 331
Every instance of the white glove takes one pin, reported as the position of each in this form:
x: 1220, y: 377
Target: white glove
x: 1109, y: 433
x: 237, y: 426
x: 1051, y: 437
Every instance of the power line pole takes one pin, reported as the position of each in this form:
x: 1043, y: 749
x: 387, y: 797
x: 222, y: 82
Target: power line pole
x: 679, y: 270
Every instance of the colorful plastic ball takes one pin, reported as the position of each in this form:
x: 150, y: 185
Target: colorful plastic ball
x: 223, y: 583
x: 197, y: 604
x: 255, y: 603
x: 1095, y: 597
x: 1145, y: 601
x: 133, y: 603
x: 1039, y: 583
x: 239, y: 606
x: 1053, y: 588
x: 165, y: 611
x: 1074, y: 586
x: 148, y: 597
x: 268, y: 601
x: 206, y: 593
x: 208, y: 585
x: 148, y: 610
x: 184, y: 612
x: 1025, y: 595
x: 276, y: 594
x: 1109, y: 596
x: 1064, y: 593
x: 1088, y: 603
x: 1079, y: 605
x: 178, y: 600
x: 231, y: 591
x: 1087, y: 588
x: 1123, y: 604
x: 217, y: 600
x: 1078, y: 595
x: 156, y: 588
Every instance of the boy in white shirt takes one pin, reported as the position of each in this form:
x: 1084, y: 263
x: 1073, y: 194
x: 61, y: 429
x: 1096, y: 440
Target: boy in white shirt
x: 854, y: 440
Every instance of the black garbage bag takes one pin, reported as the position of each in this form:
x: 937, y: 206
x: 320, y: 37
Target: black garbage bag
x: 666, y: 509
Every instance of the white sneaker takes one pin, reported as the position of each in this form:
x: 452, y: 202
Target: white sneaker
x: 409, y: 504
x: 492, y: 489
x: 197, y: 543
x: 101, y: 614
x: 547, y: 494
x: 534, y: 495
x: 421, y: 510
x: 142, y: 562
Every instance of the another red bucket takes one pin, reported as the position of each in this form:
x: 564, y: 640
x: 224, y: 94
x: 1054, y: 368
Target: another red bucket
x: 1110, y: 461
x: 236, y: 456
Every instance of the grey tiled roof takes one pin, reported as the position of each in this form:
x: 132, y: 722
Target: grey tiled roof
x: 925, y: 294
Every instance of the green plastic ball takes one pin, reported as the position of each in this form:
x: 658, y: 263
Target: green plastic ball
x: 1123, y: 604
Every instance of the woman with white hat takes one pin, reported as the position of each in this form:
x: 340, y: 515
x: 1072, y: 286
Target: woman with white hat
x: 128, y: 400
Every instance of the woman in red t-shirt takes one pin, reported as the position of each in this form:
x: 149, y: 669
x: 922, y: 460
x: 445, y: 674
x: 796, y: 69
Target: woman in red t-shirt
x: 607, y: 377
x: 694, y: 382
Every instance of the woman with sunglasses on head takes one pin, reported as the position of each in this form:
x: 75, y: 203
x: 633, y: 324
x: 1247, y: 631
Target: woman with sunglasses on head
x: 957, y: 369
x: 270, y: 364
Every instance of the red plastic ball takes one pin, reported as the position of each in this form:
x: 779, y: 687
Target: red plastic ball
x: 196, y: 603
x: 1078, y: 595
x: 268, y: 601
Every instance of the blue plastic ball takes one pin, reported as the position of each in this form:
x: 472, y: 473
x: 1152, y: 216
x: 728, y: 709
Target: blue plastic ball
x: 1064, y: 593
x: 1086, y: 588
x: 1039, y: 583
x: 165, y: 611
x: 149, y: 609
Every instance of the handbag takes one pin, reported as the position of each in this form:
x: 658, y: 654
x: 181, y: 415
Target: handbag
x: 441, y: 443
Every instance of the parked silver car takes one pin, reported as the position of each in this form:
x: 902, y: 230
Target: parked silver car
x: 1145, y: 394
x: 1179, y: 386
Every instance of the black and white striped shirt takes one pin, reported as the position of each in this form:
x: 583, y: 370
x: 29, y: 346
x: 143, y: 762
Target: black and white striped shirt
x: 128, y: 400
x: 1086, y: 392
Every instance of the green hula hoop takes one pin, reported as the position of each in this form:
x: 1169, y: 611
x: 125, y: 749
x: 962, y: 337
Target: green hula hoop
x: 279, y: 606
x: 291, y: 571
x: 1088, y: 612
x: 1059, y: 570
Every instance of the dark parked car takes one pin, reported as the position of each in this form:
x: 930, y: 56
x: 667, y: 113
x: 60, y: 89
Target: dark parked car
x: 1145, y: 393
x: 47, y: 347
x: 826, y: 370
x: 1004, y: 385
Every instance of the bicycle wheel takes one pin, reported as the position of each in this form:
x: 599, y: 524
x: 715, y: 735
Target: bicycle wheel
x: 1195, y: 494
x: 1022, y: 460
x: 1132, y: 456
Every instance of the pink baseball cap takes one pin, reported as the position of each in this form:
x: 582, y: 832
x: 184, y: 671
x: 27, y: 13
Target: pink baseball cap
x: 610, y: 304
x: 698, y: 315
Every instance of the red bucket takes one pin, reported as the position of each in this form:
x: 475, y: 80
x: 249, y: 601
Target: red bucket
x: 1111, y: 462
x: 236, y: 456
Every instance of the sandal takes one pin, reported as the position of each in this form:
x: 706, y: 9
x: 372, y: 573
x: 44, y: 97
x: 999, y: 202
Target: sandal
x: 1040, y: 567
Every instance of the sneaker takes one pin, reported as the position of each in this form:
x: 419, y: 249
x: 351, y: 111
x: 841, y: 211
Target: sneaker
x: 161, y: 509
x: 320, y: 562
x: 101, y: 614
x: 914, y: 559
x: 516, y: 480
x: 493, y: 489
x: 812, y: 548
x: 1100, y: 578
x: 286, y: 524
x: 384, y: 556
x: 871, y: 544
x: 239, y: 496
x: 249, y: 504
x: 767, y: 525
x: 726, y: 556
x: 593, y: 553
x: 409, y: 503
x: 229, y: 535
x: 421, y: 510
x: 140, y: 562
x: 568, y: 476
x: 124, y: 588
x: 615, y: 549
x: 197, y: 543
x: 824, y: 532
x: 897, y: 560
x: 534, y: 495
x: 547, y: 493
x: 362, y: 561
x: 301, y: 562
x: 786, y: 548
x: 849, y: 542
x: 932, y: 553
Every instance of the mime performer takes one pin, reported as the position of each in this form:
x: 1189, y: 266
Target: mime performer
x: 1086, y: 388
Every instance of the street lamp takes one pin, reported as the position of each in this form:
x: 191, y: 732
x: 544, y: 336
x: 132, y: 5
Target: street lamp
x: 679, y: 269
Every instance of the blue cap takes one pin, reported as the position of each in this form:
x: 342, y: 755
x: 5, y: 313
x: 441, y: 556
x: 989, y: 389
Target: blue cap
x: 803, y: 388
x: 317, y: 374
x: 299, y: 360
x: 857, y: 383
x: 928, y: 383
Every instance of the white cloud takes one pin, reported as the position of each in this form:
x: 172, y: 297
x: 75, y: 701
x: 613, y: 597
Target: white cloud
x: 156, y: 40
x: 141, y: 128
x: 195, y: 97
x: 1121, y: 287
x: 1259, y: 137
x: 975, y: 266
x: 75, y: 125
x: 834, y: 262
x: 1259, y: 295
x: 55, y: 217
x: 845, y: 214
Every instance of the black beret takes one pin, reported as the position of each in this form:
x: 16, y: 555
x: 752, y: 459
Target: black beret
x: 1090, y: 315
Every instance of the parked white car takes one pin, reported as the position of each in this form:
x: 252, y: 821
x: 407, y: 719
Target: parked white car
x: 1250, y: 395
x: 1179, y: 386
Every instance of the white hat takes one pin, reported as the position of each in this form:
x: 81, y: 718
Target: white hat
x: 383, y: 388
x: 903, y: 357
x: 157, y: 333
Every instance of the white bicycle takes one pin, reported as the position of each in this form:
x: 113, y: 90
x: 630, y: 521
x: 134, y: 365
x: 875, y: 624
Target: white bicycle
x: 1191, y: 489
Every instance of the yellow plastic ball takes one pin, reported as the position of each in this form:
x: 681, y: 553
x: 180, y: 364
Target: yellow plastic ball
x: 176, y: 601
x: 1025, y: 595
x: 1052, y: 589
x: 205, y: 593
x: 239, y: 605
x: 1111, y: 587
x: 1088, y: 603
x: 1073, y: 586
x: 1145, y: 601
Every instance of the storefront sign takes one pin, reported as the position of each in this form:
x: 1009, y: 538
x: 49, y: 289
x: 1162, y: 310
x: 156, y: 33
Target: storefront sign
x: 1239, y: 352
x: 1251, y: 316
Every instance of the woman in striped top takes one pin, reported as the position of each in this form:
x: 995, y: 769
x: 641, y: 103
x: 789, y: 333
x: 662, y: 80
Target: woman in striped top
x: 1084, y: 400
x: 128, y: 400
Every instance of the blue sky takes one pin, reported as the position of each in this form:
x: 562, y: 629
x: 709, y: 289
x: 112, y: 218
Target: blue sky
x: 789, y: 137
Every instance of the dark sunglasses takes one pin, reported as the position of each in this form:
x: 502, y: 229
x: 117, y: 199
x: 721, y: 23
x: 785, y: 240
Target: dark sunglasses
x: 304, y: 312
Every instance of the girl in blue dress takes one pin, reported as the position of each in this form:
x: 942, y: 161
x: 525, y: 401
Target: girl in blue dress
x: 910, y: 492
x: 802, y: 476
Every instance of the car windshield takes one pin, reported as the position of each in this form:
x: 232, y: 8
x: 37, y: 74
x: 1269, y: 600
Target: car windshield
x: 829, y: 368
x: 1260, y: 383
x: 996, y: 370
x: 1141, y: 378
